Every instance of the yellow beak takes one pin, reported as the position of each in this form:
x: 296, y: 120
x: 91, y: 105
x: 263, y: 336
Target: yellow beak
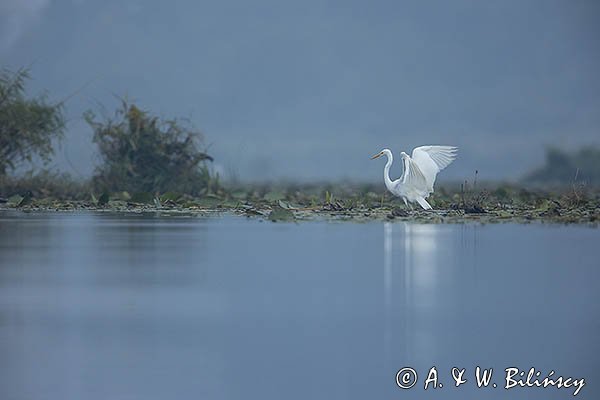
x: 376, y: 156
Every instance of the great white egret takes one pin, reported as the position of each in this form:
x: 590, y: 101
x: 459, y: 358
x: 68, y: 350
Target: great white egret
x: 420, y: 170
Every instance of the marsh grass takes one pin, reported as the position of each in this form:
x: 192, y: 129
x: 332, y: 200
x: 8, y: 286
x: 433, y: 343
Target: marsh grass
x: 46, y: 184
x: 577, y: 194
x: 473, y: 200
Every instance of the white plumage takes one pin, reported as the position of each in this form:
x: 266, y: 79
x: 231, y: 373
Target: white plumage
x: 420, y: 171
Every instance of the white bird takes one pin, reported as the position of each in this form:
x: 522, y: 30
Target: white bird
x: 420, y: 171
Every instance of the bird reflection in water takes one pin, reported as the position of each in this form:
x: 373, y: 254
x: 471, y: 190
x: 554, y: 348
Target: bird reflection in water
x: 413, y: 269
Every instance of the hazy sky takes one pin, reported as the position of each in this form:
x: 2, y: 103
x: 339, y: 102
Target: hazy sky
x: 311, y: 89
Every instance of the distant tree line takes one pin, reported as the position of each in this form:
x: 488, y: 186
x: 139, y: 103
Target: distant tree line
x: 561, y: 167
x: 143, y: 153
x: 139, y: 151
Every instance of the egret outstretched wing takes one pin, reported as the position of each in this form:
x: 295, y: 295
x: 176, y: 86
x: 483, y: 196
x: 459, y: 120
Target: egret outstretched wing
x: 433, y: 159
x: 412, y: 177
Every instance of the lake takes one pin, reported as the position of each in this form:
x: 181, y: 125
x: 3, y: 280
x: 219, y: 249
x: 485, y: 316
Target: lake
x: 108, y: 306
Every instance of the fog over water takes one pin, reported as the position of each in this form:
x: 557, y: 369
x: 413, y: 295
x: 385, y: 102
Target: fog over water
x: 309, y: 90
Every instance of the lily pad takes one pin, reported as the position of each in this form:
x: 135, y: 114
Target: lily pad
x: 230, y: 203
x: 26, y: 200
x: 287, y: 205
x: 103, y: 200
x: 239, y: 195
x: 142, y: 197
x: 274, y: 196
x: 123, y: 196
x: 170, y: 196
x: 208, y: 202
x: 281, y: 214
x: 14, y: 200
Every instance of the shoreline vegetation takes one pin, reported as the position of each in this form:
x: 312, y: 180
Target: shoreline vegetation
x: 155, y: 165
x: 458, y: 203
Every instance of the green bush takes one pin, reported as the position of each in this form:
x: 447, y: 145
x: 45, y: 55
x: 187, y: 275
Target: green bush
x: 142, y: 153
x: 27, y: 126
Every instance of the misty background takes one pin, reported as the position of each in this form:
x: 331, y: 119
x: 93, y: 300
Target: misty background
x: 310, y: 90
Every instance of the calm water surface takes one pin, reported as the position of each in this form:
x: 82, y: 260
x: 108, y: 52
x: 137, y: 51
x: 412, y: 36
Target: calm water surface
x: 132, y: 307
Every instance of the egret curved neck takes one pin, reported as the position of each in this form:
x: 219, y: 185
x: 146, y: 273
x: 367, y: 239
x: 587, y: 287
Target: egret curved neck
x: 386, y: 171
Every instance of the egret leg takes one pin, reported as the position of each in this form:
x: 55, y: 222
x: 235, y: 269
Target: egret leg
x: 423, y: 203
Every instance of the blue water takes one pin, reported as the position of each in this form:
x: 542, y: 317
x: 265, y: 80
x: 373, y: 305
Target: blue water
x: 98, y: 306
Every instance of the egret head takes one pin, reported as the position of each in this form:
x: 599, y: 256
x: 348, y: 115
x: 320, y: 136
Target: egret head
x: 384, y: 152
x: 403, y: 155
